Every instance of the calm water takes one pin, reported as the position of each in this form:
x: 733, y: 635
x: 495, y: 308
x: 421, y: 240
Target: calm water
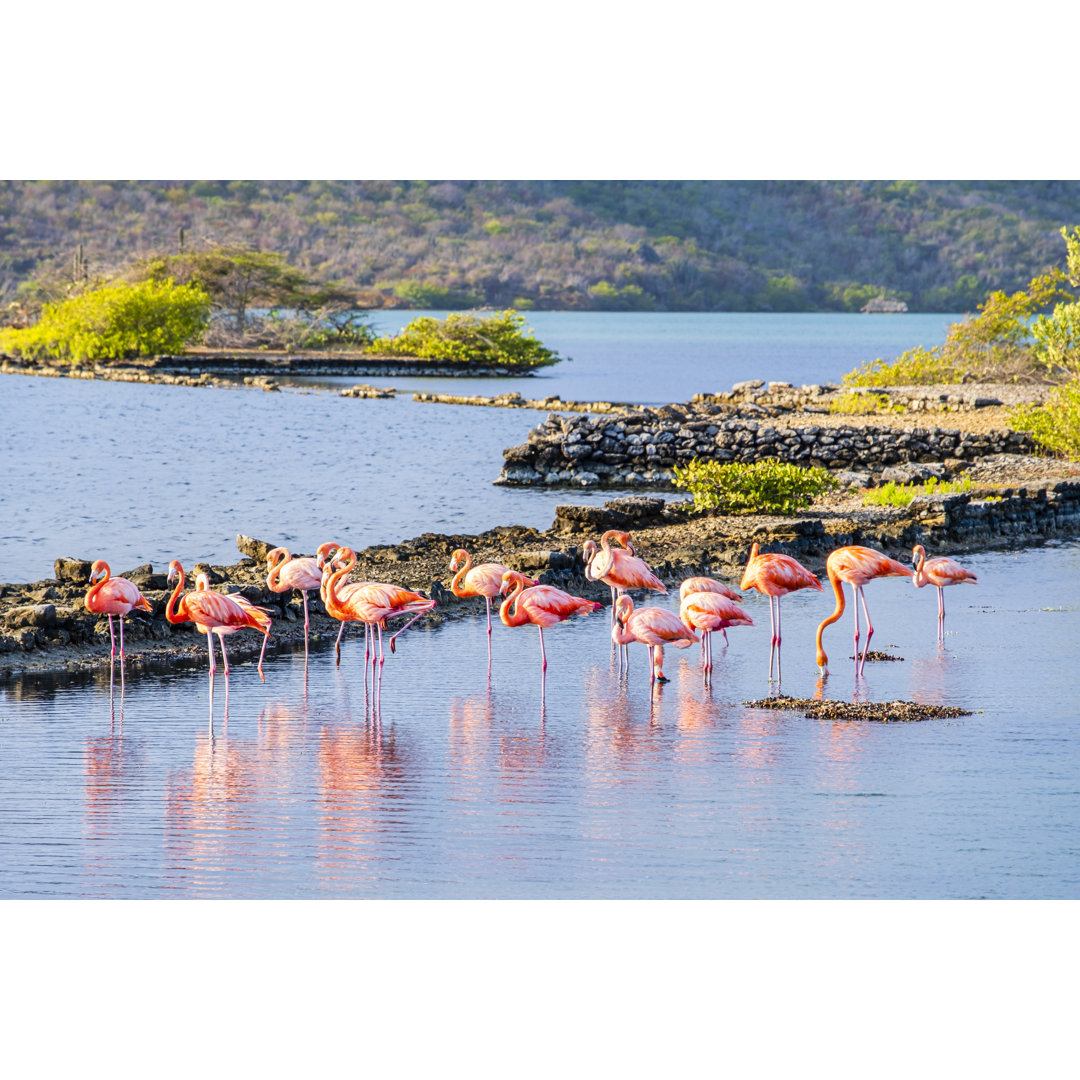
x: 454, y: 790
x: 151, y: 473
x: 457, y: 791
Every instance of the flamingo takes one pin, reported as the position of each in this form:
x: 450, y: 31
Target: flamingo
x: 285, y: 573
x: 215, y: 613
x: 654, y: 627
x: 777, y: 575
x: 371, y: 603
x: 114, y: 596
x: 709, y: 611
x: 939, y: 572
x: 708, y: 584
x: 619, y: 570
x: 857, y: 566
x: 484, y: 580
x: 541, y: 605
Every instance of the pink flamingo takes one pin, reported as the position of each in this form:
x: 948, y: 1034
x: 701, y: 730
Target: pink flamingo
x: 215, y: 613
x: 939, y: 572
x: 708, y: 584
x: 709, y: 611
x: 654, y: 627
x: 857, y: 566
x: 114, y: 596
x: 285, y: 573
x: 484, y: 580
x: 619, y: 570
x: 541, y: 605
x: 777, y: 575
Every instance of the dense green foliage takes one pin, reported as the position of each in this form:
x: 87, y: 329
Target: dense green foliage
x: 861, y: 403
x: 764, y: 487
x: 115, y: 322
x: 463, y: 338
x: 893, y: 494
x: 1056, y: 425
x: 618, y: 245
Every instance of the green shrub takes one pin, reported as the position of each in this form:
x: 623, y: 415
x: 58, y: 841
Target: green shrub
x: 859, y: 403
x: 764, y: 487
x: 469, y: 338
x: 893, y: 494
x: 1055, y: 426
x: 115, y: 322
x: 427, y: 295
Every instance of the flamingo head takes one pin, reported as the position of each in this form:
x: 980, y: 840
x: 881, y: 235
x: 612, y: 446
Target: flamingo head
x: 624, y: 608
x: 202, y: 583
x: 276, y: 556
x: 588, y: 553
x: 175, y: 570
x: 323, y: 553
x: 458, y: 559
x: 100, y: 567
x: 510, y: 579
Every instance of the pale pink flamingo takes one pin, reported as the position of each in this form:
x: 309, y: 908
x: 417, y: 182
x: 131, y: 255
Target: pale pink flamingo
x: 939, y: 572
x: 857, y: 566
x: 114, y: 596
x: 708, y: 584
x: 776, y: 575
x: 285, y: 573
x: 709, y: 611
x: 619, y: 570
x: 215, y: 613
x: 484, y: 580
x: 653, y: 627
x: 540, y: 605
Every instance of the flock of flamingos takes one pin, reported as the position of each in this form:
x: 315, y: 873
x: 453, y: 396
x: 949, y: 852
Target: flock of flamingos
x: 705, y: 605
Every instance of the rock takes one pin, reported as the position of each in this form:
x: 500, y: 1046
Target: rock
x: 849, y: 478
x: 747, y: 386
x: 636, y: 507
x: 911, y: 473
x: 541, y: 560
x: 66, y: 568
x: 33, y: 615
x: 253, y: 549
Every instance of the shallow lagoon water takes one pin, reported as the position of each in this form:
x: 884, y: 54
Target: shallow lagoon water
x: 454, y: 791
x: 607, y: 789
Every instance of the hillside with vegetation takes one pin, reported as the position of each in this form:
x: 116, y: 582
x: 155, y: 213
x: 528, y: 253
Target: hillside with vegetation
x: 599, y: 245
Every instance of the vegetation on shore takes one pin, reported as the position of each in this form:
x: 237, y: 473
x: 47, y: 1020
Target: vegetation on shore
x: 565, y: 245
x: 763, y: 487
x: 900, y: 495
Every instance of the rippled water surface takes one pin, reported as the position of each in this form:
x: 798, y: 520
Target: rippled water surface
x: 454, y: 789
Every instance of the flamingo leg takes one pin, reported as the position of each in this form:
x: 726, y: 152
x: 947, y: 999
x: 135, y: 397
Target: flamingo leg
x: 723, y: 632
x: 120, y: 620
x: 543, y: 654
x: 487, y: 600
x: 262, y: 651
x: 382, y: 654
x: 112, y: 638
x: 419, y: 615
x: 210, y: 646
x: 940, y: 615
x: 777, y: 640
x: 224, y: 656
x: 869, y: 630
x: 855, y: 609
x: 772, y: 635
x: 307, y: 623
x: 337, y: 644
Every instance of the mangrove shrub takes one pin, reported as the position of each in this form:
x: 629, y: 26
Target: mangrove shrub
x: 763, y: 487
x: 116, y: 321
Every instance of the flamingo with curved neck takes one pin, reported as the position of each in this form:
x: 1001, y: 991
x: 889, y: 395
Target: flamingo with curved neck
x: 939, y: 572
x: 114, y: 596
x: 285, y: 573
x: 484, y: 580
x: 215, y: 613
x: 618, y: 568
x: 857, y: 566
x: 653, y: 627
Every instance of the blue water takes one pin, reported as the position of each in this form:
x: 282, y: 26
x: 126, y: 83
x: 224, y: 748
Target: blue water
x: 454, y: 790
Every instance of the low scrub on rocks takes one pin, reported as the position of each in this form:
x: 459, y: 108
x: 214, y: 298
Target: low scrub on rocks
x: 893, y: 494
x: 1055, y: 426
x: 763, y: 487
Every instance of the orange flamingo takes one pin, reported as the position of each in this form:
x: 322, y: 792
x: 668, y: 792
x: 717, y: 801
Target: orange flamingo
x: 619, y: 570
x: 857, y: 566
x: 708, y: 584
x: 541, y: 605
x: 285, y: 573
x: 776, y: 575
x: 484, y: 580
x: 709, y: 611
x: 215, y: 613
x: 114, y: 596
x: 654, y: 627
x: 371, y: 603
x: 939, y: 572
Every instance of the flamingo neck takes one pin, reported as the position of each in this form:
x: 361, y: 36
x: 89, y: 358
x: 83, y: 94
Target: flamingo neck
x: 91, y: 595
x: 279, y: 559
x: 171, y: 612
x: 508, y: 609
x: 456, y: 585
x: 331, y: 599
x: 919, y: 577
x: 838, y: 588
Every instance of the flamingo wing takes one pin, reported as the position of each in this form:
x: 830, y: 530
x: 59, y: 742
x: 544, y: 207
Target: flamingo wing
x: 655, y: 626
x: 943, y: 571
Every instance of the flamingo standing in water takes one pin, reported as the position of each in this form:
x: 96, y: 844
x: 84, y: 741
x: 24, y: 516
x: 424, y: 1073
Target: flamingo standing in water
x: 857, y: 566
x: 654, y: 627
x: 370, y: 603
x: 709, y: 611
x: 285, y: 573
x: 215, y: 613
x: 484, y: 580
x: 708, y: 584
x: 618, y: 569
x: 114, y: 596
x: 541, y: 605
x: 777, y: 575
x: 939, y: 572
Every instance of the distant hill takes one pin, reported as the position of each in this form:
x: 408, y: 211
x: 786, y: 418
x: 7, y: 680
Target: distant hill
x: 609, y: 245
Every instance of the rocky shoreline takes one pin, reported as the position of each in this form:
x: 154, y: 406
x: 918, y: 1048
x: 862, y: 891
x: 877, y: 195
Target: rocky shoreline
x: 46, y: 628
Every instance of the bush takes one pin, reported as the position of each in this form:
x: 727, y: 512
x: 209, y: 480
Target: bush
x: 893, y: 494
x: 1055, y: 426
x: 469, y: 339
x: 429, y: 295
x: 764, y: 487
x: 860, y: 403
x: 115, y: 322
